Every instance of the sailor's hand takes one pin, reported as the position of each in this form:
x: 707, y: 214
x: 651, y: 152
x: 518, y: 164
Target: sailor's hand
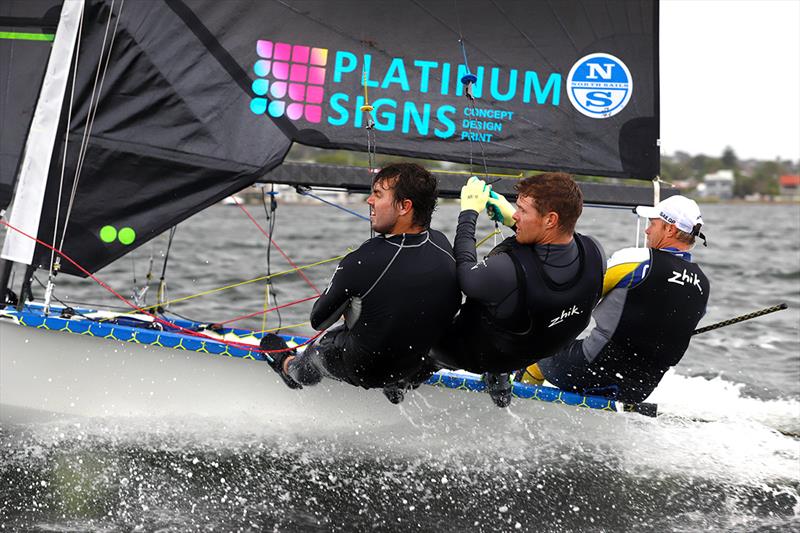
x: 500, y: 209
x: 474, y: 195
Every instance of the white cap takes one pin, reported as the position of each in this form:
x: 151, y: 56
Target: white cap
x: 678, y: 210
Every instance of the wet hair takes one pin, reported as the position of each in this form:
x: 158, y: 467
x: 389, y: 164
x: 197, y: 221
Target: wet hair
x: 554, y: 191
x: 412, y: 182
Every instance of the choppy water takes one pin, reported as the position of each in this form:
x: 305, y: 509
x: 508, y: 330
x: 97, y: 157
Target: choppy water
x: 722, y: 458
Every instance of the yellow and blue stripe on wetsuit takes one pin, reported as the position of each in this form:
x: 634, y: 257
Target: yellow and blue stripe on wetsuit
x: 628, y: 267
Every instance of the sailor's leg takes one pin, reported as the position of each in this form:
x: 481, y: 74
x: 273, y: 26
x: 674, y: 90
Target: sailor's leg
x: 568, y: 369
x: 395, y: 392
x: 319, y: 360
x: 531, y: 375
x: 499, y: 386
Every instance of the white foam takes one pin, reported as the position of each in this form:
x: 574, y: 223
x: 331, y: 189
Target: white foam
x: 717, y: 399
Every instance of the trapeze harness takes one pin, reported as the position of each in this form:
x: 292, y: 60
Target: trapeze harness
x: 547, y: 316
x: 398, y: 293
x: 641, y: 332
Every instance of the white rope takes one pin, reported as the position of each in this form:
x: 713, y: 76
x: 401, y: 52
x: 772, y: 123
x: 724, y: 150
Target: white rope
x: 66, y: 144
x: 92, y: 110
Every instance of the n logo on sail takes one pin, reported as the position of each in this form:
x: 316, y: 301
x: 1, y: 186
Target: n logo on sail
x: 599, y: 85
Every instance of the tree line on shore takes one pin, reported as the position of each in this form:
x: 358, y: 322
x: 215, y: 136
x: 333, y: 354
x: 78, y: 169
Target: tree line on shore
x: 750, y: 176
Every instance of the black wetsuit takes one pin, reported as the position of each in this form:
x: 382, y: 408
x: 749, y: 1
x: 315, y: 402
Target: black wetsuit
x: 643, y: 326
x: 499, y: 331
x: 397, y: 293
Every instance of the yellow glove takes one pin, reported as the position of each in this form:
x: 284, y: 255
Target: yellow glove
x: 474, y: 195
x: 500, y: 209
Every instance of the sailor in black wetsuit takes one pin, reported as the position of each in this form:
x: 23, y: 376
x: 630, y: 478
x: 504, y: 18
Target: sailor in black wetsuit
x: 653, y: 299
x: 397, y: 293
x: 534, y: 292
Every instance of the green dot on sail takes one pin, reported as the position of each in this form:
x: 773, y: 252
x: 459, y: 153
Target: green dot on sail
x: 108, y: 234
x: 127, y: 236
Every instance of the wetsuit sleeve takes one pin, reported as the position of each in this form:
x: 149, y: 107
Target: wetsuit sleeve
x: 626, y: 268
x: 491, y: 280
x: 344, y: 284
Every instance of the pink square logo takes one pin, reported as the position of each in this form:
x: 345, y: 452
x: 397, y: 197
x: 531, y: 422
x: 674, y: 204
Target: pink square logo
x: 264, y: 49
x: 280, y: 71
x: 313, y: 113
x: 297, y: 92
x: 298, y: 73
x: 300, y: 54
x: 290, y: 81
x: 314, y: 94
x: 319, y: 57
x: 316, y: 75
x: 283, y: 52
x: 294, y: 111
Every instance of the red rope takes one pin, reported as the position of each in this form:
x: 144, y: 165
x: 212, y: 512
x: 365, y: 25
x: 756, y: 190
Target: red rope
x: 268, y: 236
x: 251, y: 315
x: 186, y: 331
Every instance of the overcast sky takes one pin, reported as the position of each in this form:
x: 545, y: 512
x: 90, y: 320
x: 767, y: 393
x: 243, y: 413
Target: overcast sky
x: 730, y: 76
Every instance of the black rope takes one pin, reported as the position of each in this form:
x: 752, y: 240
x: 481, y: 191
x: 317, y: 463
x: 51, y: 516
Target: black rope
x: 742, y: 318
x: 162, y: 283
x: 67, y: 308
x: 271, y: 214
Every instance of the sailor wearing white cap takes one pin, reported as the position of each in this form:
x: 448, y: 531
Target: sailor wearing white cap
x: 680, y: 213
x: 653, y: 299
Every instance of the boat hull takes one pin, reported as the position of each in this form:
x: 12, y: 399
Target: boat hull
x: 51, y: 365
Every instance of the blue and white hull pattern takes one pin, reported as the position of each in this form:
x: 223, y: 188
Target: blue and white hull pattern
x: 112, y: 364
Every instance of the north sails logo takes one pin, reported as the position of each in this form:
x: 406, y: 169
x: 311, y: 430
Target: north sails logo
x: 565, y: 313
x: 684, y: 278
x: 599, y: 85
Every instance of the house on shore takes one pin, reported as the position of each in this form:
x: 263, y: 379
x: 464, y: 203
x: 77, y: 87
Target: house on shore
x: 717, y: 185
x: 790, y: 187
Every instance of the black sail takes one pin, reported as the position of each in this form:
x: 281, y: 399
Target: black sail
x: 27, y: 28
x: 172, y: 134
x: 203, y: 97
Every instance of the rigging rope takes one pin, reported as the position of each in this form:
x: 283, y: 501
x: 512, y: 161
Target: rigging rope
x: 371, y: 138
x: 272, y: 330
x: 254, y: 280
x: 51, y: 275
x: 272, y: 218
x: 240, y: 345
x: 55, y: 265
x: 259, y: 313
x: 246, y: 212
x: 161, y: 293
x: 93, y: 106
x: 305, y: 191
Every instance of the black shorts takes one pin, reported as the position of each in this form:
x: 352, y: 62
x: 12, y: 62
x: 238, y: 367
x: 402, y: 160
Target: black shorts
x: 321, y: 358
x: 569, y: 370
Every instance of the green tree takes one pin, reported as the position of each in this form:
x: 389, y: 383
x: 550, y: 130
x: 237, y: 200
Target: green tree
x: 764, y: 179
x: 703, y: 164
x: 729, y: 159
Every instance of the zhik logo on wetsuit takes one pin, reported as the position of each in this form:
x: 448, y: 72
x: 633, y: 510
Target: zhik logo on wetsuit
x: 565, y: 313
x: 682, y: 278
x: 599, y: 85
